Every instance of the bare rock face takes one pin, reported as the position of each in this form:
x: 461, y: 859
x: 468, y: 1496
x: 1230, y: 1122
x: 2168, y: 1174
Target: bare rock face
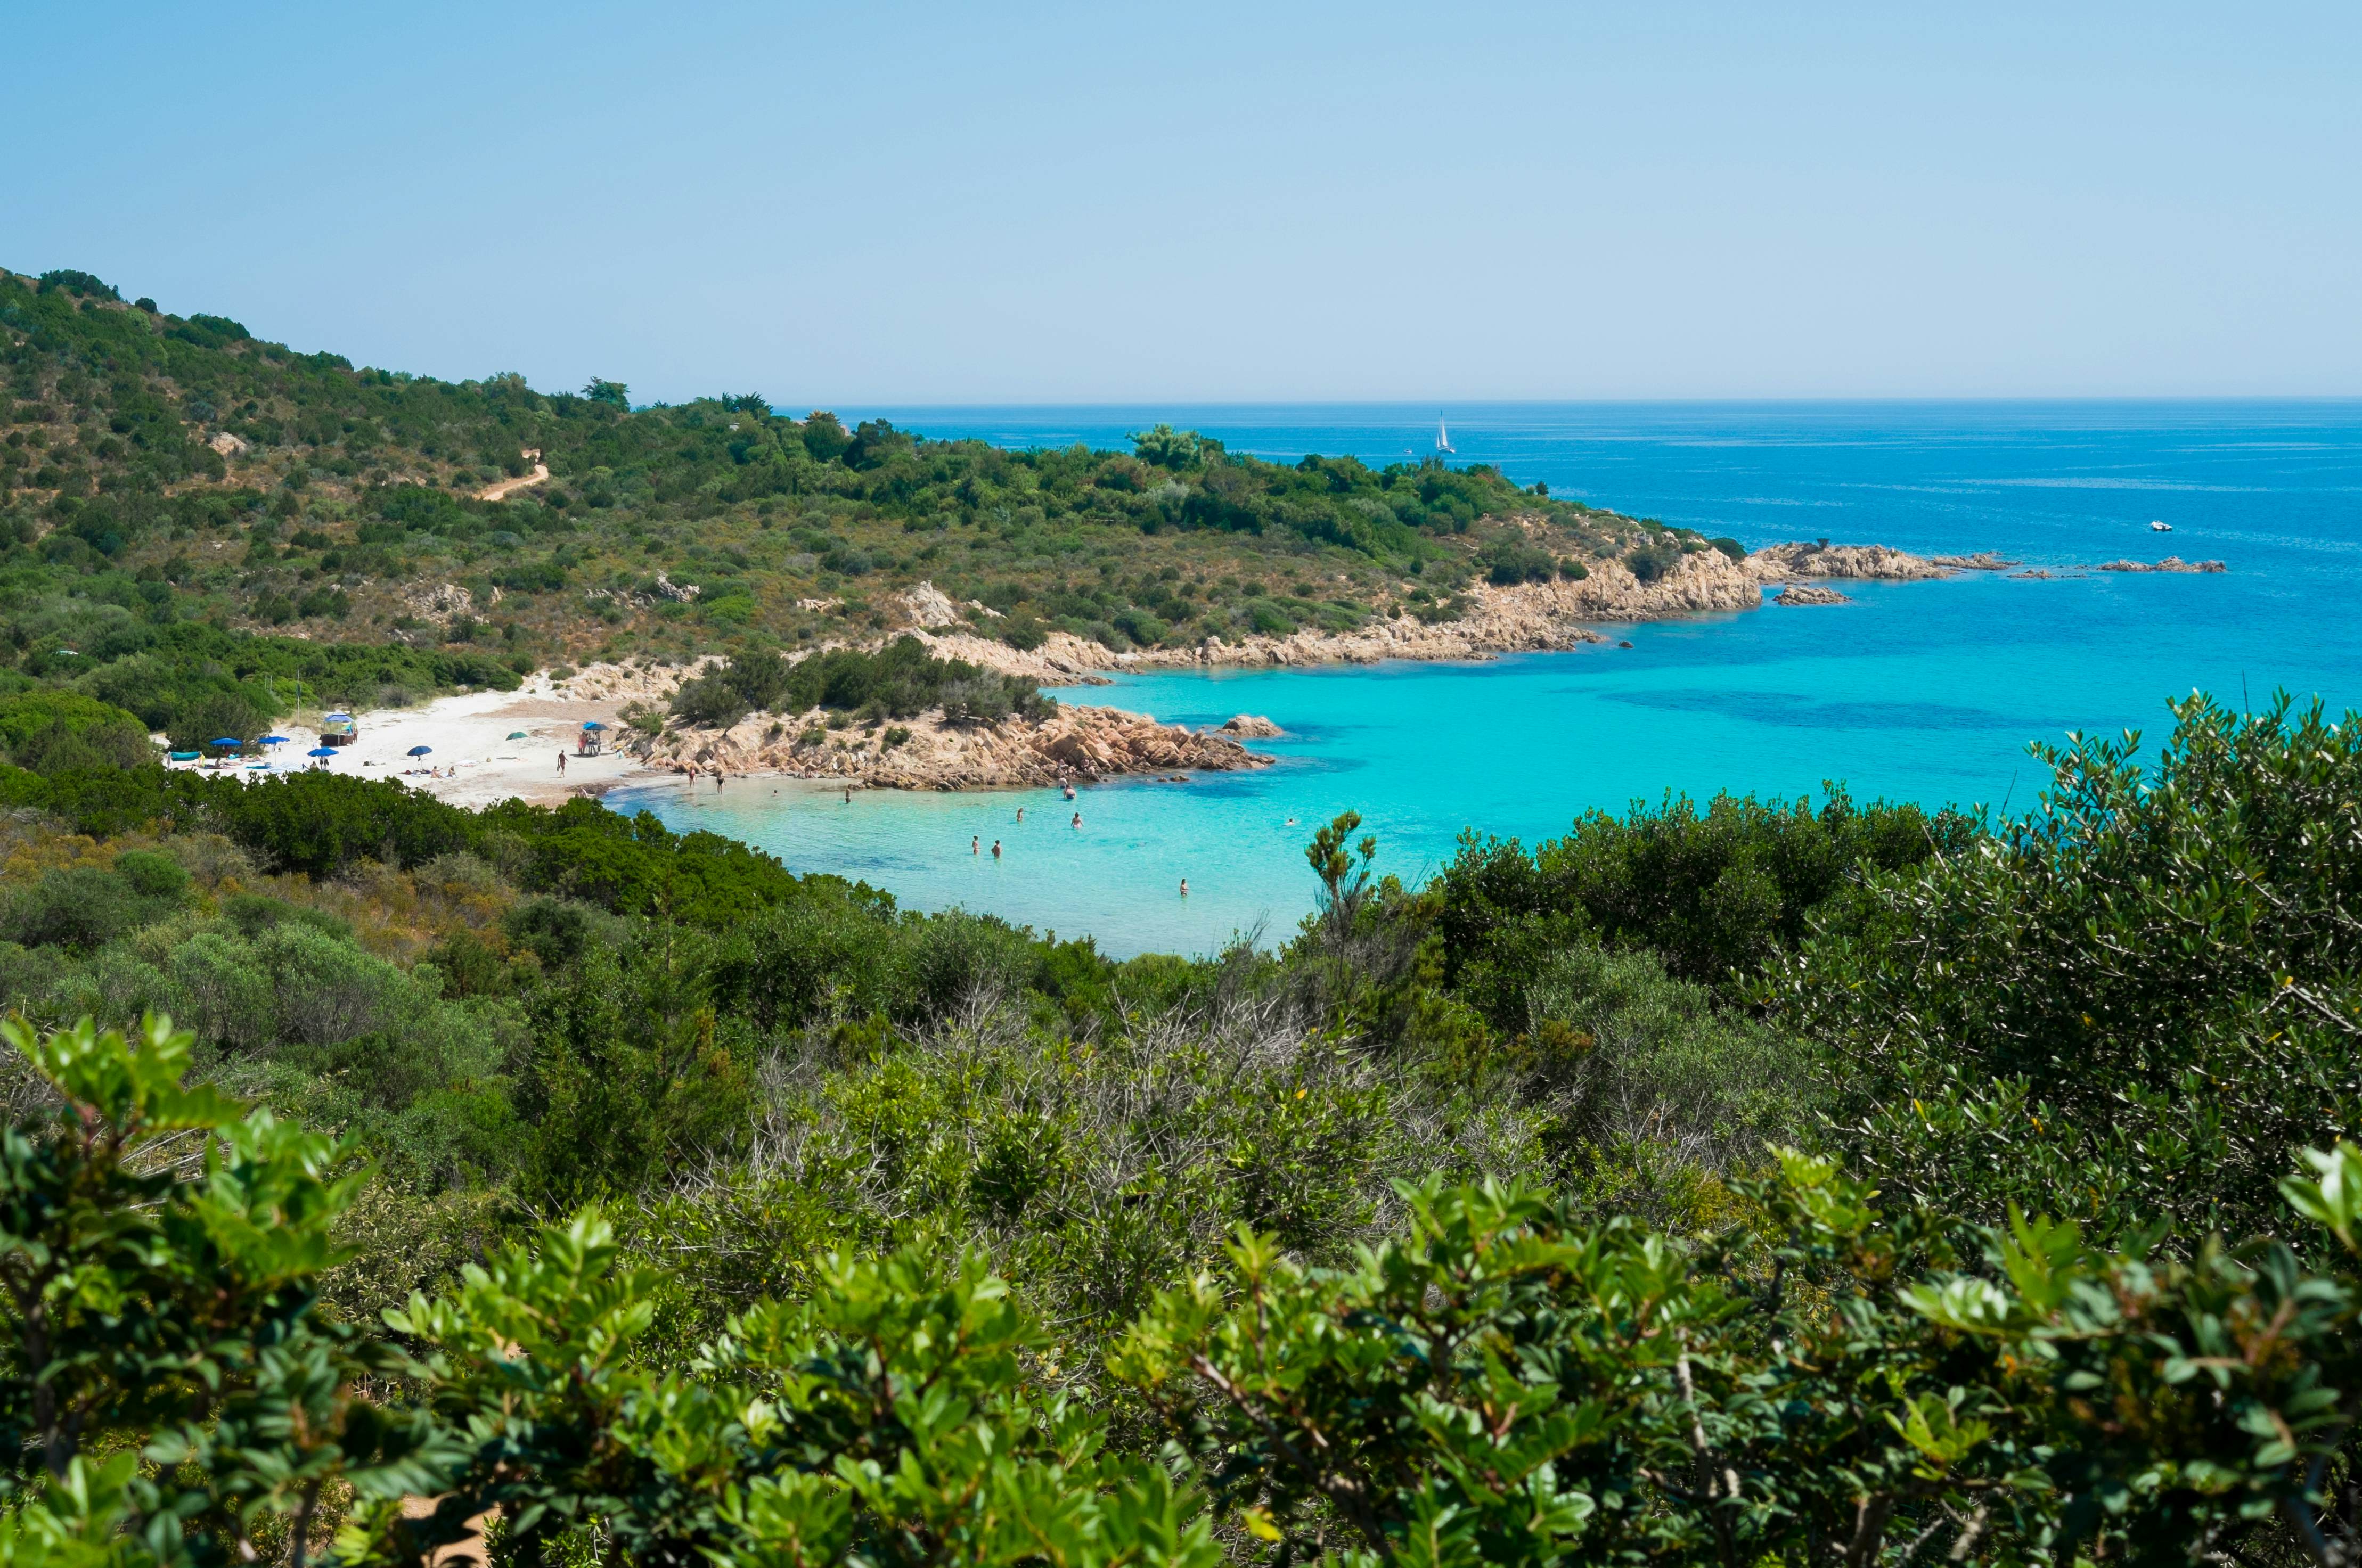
x: 927, y: 605
x: 1807, y: 558
x: 227, y: 444
x: 1252, y: 726
x: 933, y: 753
x: 2170, y: 563
x: 1802, y: 594
x: 1982, y: 561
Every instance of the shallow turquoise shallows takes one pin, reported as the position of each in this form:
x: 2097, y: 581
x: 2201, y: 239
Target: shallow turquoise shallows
x: 1925, y: 691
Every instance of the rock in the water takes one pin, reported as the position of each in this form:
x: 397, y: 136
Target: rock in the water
x: 1982, y: 561
x: 2170, y: 563
x: 1807, y: 558
x: 1252, y: 727
x: 1804, y: 593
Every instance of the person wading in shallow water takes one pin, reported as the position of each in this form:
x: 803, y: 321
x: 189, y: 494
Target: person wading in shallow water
x: 1185, y: 887
x: 995, y: 849
x: 1077, y: 821
x: 976, y: 845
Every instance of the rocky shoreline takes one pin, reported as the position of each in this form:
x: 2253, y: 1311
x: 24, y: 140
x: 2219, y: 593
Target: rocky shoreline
x: 1073, y: 743
x: 1083, y: 742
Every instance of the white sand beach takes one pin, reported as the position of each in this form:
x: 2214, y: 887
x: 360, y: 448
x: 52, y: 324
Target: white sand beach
x: 470, y: 737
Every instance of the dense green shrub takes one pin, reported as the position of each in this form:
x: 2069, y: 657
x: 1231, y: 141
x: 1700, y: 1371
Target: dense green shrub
x: 1716, y: 891
x: 2133, y: 1004
x: 49, y: 731
x: 900, y: 681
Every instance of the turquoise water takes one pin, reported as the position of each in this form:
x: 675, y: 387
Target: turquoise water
x: 1926, y: 691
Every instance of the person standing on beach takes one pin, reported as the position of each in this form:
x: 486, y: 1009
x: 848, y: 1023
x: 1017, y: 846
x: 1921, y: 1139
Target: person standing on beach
x: 561, y: 760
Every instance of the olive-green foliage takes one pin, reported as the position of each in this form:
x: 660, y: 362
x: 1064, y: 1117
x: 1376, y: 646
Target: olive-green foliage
x: 1717, y: 892
x: 1094, y: 1170
x: 1650, y: 1085
x: 2130, y: 1006
x: 47, y: 731
x: 898, y: 681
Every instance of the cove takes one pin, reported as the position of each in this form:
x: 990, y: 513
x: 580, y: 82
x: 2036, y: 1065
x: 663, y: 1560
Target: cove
x: 1925, y: 691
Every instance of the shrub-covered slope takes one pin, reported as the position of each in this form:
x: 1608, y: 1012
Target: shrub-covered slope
x: 216, y: 513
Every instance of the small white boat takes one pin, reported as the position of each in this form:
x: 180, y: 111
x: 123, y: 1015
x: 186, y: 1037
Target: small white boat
x: 2160, y: 526
x: 1444, y: 438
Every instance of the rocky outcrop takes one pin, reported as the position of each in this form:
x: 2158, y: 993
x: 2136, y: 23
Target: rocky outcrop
x: 1525, y: 618
x: 1805, y: 593
x: 1982, y: 561
x: 2170, y: 563
x: 929, y: 606
x: 1252, y: 726
x: 1810, y: 558
x: 929, y: 752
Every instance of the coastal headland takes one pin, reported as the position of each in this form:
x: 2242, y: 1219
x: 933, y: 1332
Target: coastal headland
x: 479, y: 760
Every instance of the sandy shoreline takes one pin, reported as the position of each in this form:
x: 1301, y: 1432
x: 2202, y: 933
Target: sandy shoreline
x: 468, y: 734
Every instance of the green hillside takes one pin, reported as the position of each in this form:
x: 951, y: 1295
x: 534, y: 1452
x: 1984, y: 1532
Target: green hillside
x: 192, y: 515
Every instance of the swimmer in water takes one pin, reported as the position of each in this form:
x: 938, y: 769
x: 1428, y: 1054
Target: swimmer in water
x: 973, y: 846
x: 1291, y: 822
x: 995, y: 849
x: 1077, y: 821
x: 848, y: 795
x: 1020, y: 814
x: 1185, y: 887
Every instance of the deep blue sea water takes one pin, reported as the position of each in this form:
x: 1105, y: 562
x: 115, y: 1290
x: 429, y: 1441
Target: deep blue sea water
x: 1925, y: 691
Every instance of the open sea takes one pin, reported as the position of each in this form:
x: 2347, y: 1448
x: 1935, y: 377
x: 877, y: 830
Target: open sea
x: 1920, y: 691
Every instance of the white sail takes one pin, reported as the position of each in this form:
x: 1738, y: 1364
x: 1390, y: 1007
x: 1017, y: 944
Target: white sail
x: 1443, y: 437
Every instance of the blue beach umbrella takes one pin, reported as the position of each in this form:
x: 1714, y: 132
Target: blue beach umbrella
x: 225, y: 740
x: 593, y: 724
x: 420, y: 750
x: 321, y: 752
x: 274, y: 739
x: 337, y: 718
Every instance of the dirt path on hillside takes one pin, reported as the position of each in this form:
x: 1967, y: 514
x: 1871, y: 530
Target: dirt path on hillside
x: 501, y: 491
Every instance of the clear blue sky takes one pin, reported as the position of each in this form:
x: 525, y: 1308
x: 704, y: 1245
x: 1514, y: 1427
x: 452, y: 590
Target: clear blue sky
x: 876, y: 203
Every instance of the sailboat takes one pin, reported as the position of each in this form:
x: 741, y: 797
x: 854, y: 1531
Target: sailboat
x: 1444, y: 438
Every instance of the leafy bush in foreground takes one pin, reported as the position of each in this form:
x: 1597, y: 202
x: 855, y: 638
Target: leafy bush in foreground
x: 1499, y: 1384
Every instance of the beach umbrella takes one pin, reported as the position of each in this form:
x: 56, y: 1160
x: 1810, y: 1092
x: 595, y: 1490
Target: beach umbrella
x: 519, y: 735
x: 274, y: 739
x: 420, y: 750
x: 337, y: 718
x: 593, y: 724
x: 321, y: 752
x: 225, y: 740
